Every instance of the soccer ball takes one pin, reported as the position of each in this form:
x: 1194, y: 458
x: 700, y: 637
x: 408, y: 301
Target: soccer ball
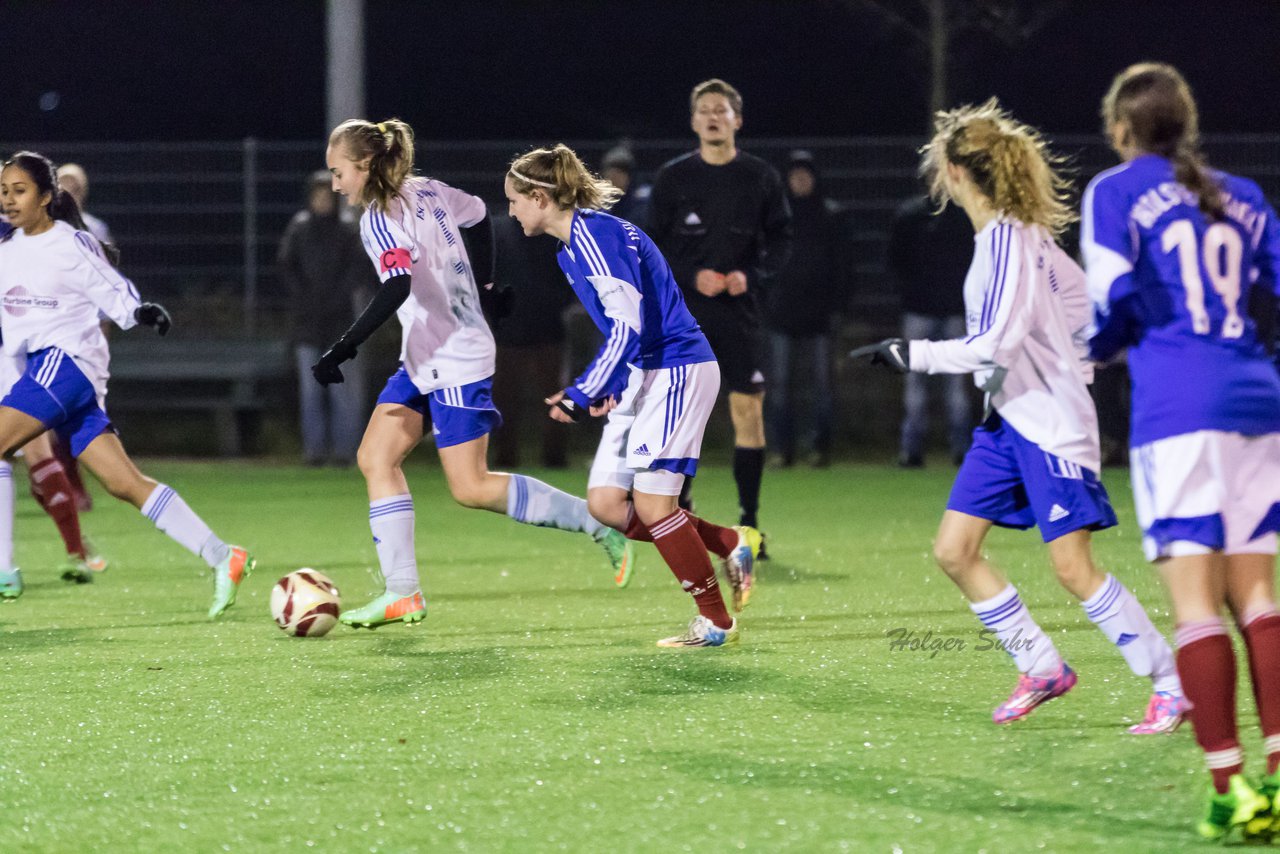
x: 305, y: 603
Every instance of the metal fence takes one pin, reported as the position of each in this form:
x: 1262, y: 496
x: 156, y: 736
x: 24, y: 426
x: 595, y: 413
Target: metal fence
x: 199, y: 223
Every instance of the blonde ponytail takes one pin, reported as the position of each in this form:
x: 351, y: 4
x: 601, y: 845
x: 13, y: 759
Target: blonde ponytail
x: 561, y: 175
x: 1009, y: 162
x: 388, y: 148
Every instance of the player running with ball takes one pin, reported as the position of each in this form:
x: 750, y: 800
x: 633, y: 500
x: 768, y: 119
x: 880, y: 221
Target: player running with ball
x: 1035, y: 460
x: 657, y: 362
x: 431, y: 245
x: 1173, y: 250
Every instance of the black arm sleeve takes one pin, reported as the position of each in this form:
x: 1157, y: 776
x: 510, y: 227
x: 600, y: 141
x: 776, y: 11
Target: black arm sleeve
x: 389, y: 297
x: 478, y: 239
x: 775, y: 249
x: 661, y: 223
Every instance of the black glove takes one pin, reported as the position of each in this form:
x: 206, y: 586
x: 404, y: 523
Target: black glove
x: 326, y: 370
x: 153, y: 314
x: 891, y: 352
x: 569, y: 407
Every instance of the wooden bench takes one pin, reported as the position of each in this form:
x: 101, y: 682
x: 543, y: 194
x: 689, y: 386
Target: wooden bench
x: 222, y: 377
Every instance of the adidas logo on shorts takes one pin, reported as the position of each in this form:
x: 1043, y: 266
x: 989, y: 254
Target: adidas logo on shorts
x: 1058, y: 512
x: 642, y: 451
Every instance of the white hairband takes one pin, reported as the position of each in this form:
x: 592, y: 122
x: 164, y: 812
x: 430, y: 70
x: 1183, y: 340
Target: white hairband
x: 528, y: 180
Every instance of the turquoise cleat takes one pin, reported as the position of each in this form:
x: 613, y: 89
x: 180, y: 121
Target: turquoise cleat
x: 227, y: 576
x: 622, y: 555
x: 10, y: 584
x: 387, y: 608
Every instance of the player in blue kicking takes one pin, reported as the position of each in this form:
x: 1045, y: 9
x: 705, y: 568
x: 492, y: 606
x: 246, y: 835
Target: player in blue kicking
x: 1036, y: 459
x: 431, y: 245
x: 1173, y: 250
x: 58, y: 280
x: 655, y: 377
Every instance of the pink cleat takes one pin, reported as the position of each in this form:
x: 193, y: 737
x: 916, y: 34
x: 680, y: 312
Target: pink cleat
x: 1164, y: 713
x: 1031, y: 692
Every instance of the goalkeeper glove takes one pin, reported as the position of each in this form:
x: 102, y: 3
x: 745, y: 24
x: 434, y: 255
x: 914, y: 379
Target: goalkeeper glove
x: 153, y: 314
x: 326, y: 370
x: 891, y: 352
x: 570, y: 408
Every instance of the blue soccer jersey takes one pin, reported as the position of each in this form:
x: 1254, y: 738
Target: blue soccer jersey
x: 1173, y: 287
x: 627, y: 288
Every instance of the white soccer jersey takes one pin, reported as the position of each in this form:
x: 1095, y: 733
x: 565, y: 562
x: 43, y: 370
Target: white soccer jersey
x: 53, y: 289
x: 445, y: 341
x: 1028, y: 317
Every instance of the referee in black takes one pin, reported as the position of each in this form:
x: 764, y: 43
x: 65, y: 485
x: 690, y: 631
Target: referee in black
x: 720, y: 217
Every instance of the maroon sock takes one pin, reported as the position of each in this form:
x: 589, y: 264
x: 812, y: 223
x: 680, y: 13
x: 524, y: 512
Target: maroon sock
x: 636, y: 530
x: 52, y: 489
x: 1207, y: 667
x: 71, y: 466
x: 681, y: 547
x: 1262, y: 642
x: 719, y: 541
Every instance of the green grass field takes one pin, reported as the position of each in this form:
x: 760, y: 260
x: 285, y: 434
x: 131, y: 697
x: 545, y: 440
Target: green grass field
x: 532, y: 711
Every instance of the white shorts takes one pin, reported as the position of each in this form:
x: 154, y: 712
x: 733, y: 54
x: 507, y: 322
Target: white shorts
x: 609, y: 468
x: 1207, y: 491
x: 657, y: 425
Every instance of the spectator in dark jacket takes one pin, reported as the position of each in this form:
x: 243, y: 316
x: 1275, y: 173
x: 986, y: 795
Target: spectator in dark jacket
x: 328, y: 280
x: 802, y: 303
x: 619, y: 169
x: 929, y: 255
x: 531, y: 342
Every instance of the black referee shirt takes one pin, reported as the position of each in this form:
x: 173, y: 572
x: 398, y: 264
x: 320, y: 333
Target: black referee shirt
x: 723, y: 218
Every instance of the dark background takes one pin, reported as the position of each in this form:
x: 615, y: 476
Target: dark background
x: 505, y: 69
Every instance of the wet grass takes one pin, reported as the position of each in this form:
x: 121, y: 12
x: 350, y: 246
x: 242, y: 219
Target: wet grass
x: 531, y: 711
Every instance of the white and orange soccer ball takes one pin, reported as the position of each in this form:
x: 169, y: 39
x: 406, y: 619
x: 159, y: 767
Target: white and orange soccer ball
x: 305, y: 603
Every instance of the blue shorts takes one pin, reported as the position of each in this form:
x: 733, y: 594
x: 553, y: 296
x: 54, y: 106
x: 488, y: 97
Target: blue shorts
x: 56, y: 393
x: 457, y: 414
x: 1016, y: 484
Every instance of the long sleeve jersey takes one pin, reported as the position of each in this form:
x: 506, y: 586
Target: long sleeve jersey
x: 725, y: 217
x: 54, y: 287
x: 1027, y: 318
x: 626, y: 286
x: 1174, y: 288
x: 445, y: 341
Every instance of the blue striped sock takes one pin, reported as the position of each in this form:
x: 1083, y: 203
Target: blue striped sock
x: 391, y: 520
x: 172, y: 515
x: 1018, y: 634
x: 535, y: 503
x: 1124, y: 621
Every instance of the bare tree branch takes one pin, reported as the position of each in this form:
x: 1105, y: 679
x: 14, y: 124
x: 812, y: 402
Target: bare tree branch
x: 890, y: 12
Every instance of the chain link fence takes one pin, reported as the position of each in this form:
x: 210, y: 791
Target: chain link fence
x: 199, y: 223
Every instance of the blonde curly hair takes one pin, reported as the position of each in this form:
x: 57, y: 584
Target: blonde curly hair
x: 1010, y: 163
